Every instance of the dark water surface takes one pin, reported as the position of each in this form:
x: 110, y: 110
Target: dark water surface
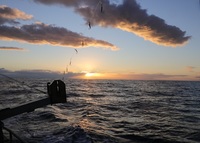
x: 108, y: 111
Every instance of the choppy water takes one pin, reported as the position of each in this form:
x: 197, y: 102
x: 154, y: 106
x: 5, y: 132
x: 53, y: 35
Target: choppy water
x: 108, y: 111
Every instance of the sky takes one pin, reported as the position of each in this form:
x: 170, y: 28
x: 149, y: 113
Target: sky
x: 100, y: 39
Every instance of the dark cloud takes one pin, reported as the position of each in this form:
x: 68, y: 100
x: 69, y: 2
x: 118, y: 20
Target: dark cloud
x: 4, y: 71
x: 10, y: 21
x: 12, y: 48
x: 129, y: 17
x: 37, y: 74
x: 40, y: 33
x: 10, y: 15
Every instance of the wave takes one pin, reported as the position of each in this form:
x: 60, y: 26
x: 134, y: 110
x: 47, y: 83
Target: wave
x: 105, y: 111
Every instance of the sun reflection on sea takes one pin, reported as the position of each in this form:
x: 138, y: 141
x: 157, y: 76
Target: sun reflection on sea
x: 86, y: 124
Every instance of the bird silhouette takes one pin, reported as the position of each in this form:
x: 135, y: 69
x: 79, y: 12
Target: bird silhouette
x: 77, y: 50
x: 101, y: 7
x: 89, y: 24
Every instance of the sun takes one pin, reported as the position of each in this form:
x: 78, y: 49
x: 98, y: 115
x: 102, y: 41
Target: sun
x: 89, y: 74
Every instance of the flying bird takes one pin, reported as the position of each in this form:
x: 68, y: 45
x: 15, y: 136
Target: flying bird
x: 94, y: 13
x: 101, y: 6
x: 70, y: 63
x: 77, y: 50
x: 89, y: 24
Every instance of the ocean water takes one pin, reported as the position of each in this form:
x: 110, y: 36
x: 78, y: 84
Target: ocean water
x: 107, y: 111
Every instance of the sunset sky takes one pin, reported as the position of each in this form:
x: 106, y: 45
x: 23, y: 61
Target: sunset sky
x: 101, y: 39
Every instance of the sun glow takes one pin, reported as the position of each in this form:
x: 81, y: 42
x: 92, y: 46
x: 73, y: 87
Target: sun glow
x: 92, y: 75
x: 89, y: 74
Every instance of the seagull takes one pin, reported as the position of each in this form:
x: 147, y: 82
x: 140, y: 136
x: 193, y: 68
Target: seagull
x: 70, y: 63
x: 101, y: 7
x: 67, y: 69
x: 89, y: 24
x: 77, y: 50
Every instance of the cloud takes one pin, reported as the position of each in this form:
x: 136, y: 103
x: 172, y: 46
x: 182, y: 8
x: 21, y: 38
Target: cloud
x: 40, y: 33
x: 62, y: 2
x: 10, y: 15
x: 3, y: 71
x: 12, y: 48
x: 37, y: 74
x: 58, y: 75
x: 155, y: 76
x: 159, y: 76
x: 129, y: 17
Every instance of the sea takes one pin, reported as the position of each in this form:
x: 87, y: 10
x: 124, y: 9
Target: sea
x: 106, y: 111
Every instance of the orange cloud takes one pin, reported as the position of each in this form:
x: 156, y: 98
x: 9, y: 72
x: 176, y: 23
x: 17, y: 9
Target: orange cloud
x: 9, y: 15
x: 156, y: 37
x: 40, y: 33
x: 129, y: 17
